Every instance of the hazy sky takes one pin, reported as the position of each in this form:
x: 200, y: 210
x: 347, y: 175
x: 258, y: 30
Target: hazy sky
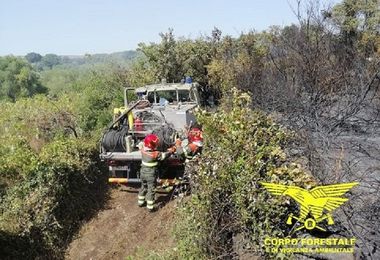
x: 94, y: 26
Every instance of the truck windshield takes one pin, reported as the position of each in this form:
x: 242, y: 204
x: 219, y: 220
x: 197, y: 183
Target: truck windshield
x: 171, y: 96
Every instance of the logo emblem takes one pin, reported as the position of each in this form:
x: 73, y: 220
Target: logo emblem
x: 316, y: 205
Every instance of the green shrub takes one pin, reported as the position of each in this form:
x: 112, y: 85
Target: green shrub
x: 18, y: 79
x: 51, y: 178
x: 229, y: 212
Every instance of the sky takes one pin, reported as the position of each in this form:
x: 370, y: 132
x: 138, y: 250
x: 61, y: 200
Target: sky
x: 77, y: 27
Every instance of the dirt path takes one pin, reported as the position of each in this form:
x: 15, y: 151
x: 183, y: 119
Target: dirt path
x: 123, y: 229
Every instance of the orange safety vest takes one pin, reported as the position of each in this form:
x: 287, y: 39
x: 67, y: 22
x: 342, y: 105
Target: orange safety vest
x: 151, y: 158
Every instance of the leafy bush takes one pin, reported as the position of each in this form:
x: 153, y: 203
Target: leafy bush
x: 229, y: 212
x: 50, y: 177
x: 63, y: 187
x: 18, y: 79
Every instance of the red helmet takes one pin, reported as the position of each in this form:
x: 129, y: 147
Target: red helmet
x: 195, y: 136
x: 151, y: 141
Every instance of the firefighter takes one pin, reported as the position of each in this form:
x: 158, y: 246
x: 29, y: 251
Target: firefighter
x: 149, y: 170
x: 194, y: 146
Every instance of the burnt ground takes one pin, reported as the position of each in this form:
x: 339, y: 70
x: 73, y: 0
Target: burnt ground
x: 123, y: 229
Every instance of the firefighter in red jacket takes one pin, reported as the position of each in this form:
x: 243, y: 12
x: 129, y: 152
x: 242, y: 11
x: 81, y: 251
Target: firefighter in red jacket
x: 149, y: 170
x: 194, y: 146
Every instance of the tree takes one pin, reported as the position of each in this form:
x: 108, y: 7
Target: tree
x: 18, y: 79
x: 173, y: 59
x: 33, y: 57
x: 51, y: 60
x: 163, y: 58
x: 359, y: 23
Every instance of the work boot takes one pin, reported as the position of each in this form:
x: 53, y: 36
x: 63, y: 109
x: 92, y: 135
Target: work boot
x: 152, y: 209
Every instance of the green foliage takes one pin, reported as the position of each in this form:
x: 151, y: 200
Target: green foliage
x: 238, y: 62
x: 100, y: 88
x: 62, y: 187
x: 141, y: 73
x: 62, y: 80
x: 194, y: 56
x: 18, y: 79
x: 101, y: 92
x: 50, y: 175
x: 81, y: 63
x: 50, y: 60
x: 242, y: 148
x: 162, y: 57
x: 359, y: 23
x: 122, y: 58
x: 173, y: 59
x: 33, y: 57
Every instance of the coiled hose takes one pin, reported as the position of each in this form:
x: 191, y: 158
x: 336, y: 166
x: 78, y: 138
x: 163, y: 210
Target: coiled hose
x: 114, y: 140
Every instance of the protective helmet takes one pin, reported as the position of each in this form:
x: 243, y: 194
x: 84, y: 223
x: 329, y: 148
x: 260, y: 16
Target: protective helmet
x: 151, y: 141
x: 195, y: 137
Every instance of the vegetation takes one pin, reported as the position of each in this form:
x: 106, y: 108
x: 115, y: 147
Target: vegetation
x: 229, y: 212
x: 51, y: 179
x: 53, y: 61
x: 319, y: 79
x: 18, y: 79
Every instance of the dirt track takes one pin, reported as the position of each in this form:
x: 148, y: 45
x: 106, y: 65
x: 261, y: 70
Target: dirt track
x: 123, y: 229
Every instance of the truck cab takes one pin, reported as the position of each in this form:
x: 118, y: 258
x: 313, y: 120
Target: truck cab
x: 174, y: 102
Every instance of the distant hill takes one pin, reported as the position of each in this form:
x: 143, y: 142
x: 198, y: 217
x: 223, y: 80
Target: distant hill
x: 50, y: 61
x: 117, y: 57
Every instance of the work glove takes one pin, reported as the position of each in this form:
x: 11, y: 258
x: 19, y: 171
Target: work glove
x: 172, y: 149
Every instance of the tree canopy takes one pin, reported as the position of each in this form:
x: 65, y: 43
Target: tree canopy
x: 33, y: 57
x: 18, y: 79
x: 51, y: 60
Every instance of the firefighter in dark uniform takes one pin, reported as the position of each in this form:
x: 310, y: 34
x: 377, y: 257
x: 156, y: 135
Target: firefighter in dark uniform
x: 194, y: 146
x: 149, y: 170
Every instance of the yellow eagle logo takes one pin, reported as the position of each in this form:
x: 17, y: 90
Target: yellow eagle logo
x: 318, y: 203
